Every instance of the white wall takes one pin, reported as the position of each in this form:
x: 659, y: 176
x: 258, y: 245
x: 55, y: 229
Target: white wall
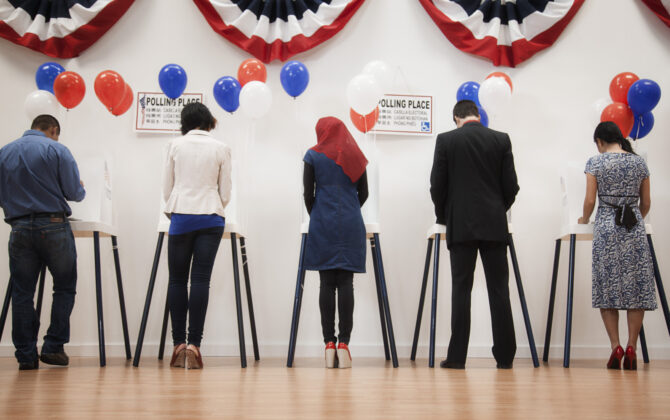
x: 550, y: 121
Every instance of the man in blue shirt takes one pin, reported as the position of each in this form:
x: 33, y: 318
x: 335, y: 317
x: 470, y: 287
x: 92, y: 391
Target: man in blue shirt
x: 37, y: 177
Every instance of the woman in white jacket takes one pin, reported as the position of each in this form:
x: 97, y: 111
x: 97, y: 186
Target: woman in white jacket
x: 196, y: 189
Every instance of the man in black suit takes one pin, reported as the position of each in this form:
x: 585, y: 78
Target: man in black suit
x: 473, y: 183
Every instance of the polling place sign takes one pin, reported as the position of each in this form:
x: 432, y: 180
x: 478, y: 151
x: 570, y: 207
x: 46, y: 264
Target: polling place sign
x: 156, y: 113
x: 405, y: 115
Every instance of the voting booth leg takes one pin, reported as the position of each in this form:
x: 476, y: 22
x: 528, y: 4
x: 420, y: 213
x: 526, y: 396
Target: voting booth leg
x: 297, y: 302
x: 147, y: 302
x: 5, y: 307
x: 238, y: 301
x: 250, y: 304
x: 40, y: 293
x: 385, y: 300
x: 571, y: 290
x: 422, y: 299
x: 8, y: 299
x: 643, y: 345
x: 433, y: 305
x: 524, y: 306
x: 382, y: 317
x: 166, y: 316
x: 552, y: 300
x: 659, y: 284
x: 98, y: 295
x: 122, y: 300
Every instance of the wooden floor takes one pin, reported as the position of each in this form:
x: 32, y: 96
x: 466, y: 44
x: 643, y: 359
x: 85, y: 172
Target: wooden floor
x: 372, y: 389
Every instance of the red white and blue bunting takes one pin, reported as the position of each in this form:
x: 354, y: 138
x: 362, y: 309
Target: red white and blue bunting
x: 277, y: 29
x: 507, y: 32
x: 661, y: 8
x: 59, y: 28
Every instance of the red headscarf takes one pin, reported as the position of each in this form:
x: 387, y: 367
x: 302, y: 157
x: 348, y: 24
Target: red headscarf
x: 335, y: 141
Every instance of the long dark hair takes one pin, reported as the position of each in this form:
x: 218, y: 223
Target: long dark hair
x: 609, y: 132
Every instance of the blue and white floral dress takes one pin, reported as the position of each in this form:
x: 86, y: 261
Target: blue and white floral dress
x: 623, y: 274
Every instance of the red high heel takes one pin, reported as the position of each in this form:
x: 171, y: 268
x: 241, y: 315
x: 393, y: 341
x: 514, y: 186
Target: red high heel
x: 615, y: 358
x: 630, y: 360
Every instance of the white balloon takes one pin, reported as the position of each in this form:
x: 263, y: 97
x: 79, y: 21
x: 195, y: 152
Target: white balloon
x: 382, y: 73
x: 41, y: 102
x: 597, y: 108
x: 494, y: 95
x: 363, y: 94
x: 255, y: 99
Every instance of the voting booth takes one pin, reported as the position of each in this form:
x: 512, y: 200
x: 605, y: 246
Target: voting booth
x: 91, y: 218
x: 573, y: 191
x: 370, y: 212
x: 233, y: 230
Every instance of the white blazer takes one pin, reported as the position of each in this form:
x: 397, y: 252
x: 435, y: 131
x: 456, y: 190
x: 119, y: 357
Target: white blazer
x: 196, y: 179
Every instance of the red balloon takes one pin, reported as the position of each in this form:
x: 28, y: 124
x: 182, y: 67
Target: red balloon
x: 504, y: 76
x: 620, y: 115
x: 125, y: 103
x: 110, y: 88
x: 364, y: 123
x: 69, y: 89
x: 251, y: 69
x: 619, y: 86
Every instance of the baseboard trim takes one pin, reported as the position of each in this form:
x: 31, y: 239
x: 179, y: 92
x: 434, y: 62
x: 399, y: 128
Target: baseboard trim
x: 361, y: 350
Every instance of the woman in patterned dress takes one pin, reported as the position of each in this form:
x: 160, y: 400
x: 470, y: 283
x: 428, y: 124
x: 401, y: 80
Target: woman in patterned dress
x: 623, y: 276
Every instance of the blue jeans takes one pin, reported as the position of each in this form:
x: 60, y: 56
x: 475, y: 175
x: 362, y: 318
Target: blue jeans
x: 34, y: 243
x: 194, y: 251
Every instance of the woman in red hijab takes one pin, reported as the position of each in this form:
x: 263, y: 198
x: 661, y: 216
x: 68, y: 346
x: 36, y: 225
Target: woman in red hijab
x: 335, y: 188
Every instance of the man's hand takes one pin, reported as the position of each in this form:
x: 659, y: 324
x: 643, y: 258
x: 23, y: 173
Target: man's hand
x: 82, y: 183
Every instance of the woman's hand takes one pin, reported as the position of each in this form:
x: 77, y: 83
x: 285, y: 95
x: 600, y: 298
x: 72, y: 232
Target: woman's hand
x: 583, y: 221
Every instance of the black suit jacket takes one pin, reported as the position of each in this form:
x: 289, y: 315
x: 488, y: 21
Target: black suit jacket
x: 473, y: 183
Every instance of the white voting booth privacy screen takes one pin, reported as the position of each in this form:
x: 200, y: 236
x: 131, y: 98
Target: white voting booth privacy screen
x: 96, y: 174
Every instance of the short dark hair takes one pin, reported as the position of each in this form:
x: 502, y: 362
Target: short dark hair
x: 609, y: 132
x: 44, y: 122
x: 196, y: 116
x: 466, y: 108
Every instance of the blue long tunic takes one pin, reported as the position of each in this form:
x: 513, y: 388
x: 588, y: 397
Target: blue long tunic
x: 336, y: 236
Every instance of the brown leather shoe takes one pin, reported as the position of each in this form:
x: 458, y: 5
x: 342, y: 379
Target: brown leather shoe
x: 193, y: 357
x: 179, y: 356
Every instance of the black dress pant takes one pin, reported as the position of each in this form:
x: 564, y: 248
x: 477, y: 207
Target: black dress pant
x: 195, y: 252
x: 341, y: 281
x: 494, y: 259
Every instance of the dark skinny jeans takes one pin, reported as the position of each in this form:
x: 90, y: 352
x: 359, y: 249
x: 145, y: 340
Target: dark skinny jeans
x: 341, y: 281
x: 195, y: 251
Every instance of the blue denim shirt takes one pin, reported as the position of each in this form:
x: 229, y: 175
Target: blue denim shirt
x: 37, y: 175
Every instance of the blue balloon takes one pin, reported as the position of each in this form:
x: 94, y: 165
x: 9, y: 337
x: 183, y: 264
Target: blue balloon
x: 46, y: 74
x: 642, y: 126
x: 227, y: 93
x: 469, y: 91
x: 483, y: 117
x: 172, y: 79
x: 294, y: 78
x: 643, y: 96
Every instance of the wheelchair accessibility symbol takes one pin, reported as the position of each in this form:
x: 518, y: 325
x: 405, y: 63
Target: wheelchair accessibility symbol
x: 425, y: 126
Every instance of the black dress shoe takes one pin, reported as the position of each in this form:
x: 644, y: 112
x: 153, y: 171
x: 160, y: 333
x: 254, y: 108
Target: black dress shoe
x: 59, y: 359
x: 29, y: 365
x: 504, y: 365
x: 451, y: 365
